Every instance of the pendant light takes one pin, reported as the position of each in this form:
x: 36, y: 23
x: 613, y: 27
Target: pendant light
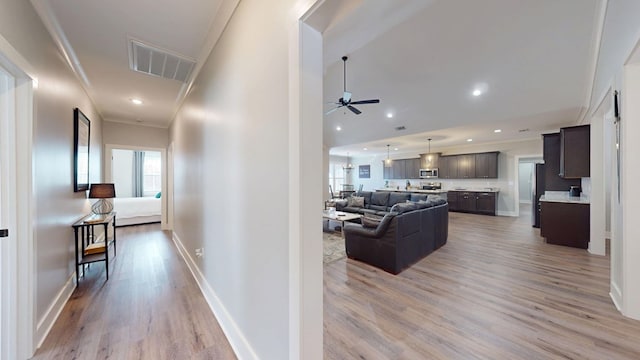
x: 349, y: 165
x: 429, y: 156
x: 387, y: 163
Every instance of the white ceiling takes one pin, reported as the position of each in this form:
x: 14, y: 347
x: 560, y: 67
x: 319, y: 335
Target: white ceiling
x: 424, y: 58
x: 94, y: 35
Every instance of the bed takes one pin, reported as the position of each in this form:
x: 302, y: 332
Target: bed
x: 137, y: 210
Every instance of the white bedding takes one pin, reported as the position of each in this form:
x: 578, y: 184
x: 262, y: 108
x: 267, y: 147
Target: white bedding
x: 136, y: 207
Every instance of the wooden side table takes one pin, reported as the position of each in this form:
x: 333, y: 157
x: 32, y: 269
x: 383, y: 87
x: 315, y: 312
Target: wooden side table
x: 89, y: 250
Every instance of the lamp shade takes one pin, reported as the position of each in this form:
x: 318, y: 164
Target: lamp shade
x: 102, y: 191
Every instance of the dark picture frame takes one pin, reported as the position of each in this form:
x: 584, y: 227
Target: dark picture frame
x: 81, y: 145
x: 364, y: 172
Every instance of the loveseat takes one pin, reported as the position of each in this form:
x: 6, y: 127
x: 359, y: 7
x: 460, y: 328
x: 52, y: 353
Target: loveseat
x: 378, y: 202
x: 401, y: 238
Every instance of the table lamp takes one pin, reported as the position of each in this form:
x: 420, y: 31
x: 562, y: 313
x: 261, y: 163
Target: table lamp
x: 102, y: 192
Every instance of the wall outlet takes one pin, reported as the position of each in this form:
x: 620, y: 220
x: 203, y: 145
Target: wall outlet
x: 200, y: 252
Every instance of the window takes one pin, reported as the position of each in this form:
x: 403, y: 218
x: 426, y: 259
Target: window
x: 152, y: 172
x: 336, y: 174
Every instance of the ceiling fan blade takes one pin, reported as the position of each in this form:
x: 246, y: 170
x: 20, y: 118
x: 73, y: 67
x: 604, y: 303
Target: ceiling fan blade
x: 372, y: 101
x: 332, y: 110
x: 346, y: 96
x: 354, y: 110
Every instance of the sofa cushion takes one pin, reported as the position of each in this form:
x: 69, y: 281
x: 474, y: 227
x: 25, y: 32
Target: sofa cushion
x: 356, y: 201
x: 379, y: 198
x: 418, y: 197
x: 424, y: 204
x: 355, y: 210
x: 434, y: 197
x: 367, y: 197
x: 395, y: 198
x: 378, y: 207
x: 403, y: 207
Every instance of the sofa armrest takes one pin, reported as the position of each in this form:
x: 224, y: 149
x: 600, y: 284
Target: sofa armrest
x: 377, y: 232
x: 341, y: 204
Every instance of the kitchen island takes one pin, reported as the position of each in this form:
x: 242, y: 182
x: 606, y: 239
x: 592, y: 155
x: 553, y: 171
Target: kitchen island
x: 564, y: 219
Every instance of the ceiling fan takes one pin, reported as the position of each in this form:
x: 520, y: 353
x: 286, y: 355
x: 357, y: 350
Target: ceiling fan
x: 345, y: 100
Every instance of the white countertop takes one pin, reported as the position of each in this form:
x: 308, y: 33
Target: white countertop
x: 563, y: 196
x: 414, y: 191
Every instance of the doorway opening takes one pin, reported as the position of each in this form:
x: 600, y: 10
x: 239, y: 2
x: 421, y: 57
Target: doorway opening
x: 139, y: 176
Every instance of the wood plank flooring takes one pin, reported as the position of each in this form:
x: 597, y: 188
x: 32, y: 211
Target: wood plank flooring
x: 494, y: 291
x: 151, y: 308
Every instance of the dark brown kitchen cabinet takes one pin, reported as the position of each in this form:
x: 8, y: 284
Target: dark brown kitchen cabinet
x: 398, y: 169
x: 452, y: 199
x: 467, y: 201
x: 574, y: 152
x: 477, y: 202
x: 412, y: 168
x: 448, y: 167
x: 551, y: 154
x: 486, y: 203
x: 466, y: 166
x: 565, y: 223
x: 486, y: 165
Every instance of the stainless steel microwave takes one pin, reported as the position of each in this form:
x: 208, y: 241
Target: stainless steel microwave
x: 428, y: 173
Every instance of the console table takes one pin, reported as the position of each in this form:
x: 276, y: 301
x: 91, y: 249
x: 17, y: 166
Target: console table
x: 87, y: 249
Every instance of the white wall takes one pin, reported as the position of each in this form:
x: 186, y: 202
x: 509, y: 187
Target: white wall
x: 56, y: 205
x: 619, y: 37
x: 507, y: 171
x: 236, y: 181
x: 135, y: 135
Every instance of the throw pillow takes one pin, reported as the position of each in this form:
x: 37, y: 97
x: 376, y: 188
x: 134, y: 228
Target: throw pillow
x: 158, y: 195
x: 370, y: 221
x: 356, y: 201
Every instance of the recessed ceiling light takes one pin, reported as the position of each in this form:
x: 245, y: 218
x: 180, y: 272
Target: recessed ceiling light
x: 396, y: 149
x: 477, y: 92
x: 338, y: 128
x: 365, y: 149
x: 469, y: 140
x: 497, y: 130
x: 136, y: 101
x: 389, y: 115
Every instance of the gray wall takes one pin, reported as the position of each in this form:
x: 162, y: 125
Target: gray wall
x: 57, y: 206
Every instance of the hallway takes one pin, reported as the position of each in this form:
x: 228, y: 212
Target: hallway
x: 151, y: 308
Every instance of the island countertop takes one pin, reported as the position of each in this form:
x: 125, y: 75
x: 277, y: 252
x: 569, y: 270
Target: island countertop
x: 563, y: 197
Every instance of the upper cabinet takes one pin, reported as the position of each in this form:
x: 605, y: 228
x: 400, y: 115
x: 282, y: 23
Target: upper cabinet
x: 466, y: 166
x: 448, y: 167
x: 574, y: 152
x: 487, y: 165
x: 551, y: 153
x: 402, y: 169
x: 429, y: 161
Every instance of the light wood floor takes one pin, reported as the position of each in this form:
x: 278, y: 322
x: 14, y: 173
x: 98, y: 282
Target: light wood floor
x: 494, y: 291
x: 151, y: 308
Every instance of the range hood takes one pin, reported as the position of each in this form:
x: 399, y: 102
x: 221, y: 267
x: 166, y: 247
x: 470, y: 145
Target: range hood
x: 429, y: 161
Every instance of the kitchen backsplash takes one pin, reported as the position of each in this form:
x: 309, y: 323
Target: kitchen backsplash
x: 451, y: 184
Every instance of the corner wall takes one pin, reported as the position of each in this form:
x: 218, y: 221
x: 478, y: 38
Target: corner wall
x: 236, y: 160
x: 56, y: 205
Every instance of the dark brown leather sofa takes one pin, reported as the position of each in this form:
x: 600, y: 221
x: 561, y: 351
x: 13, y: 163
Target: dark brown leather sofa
x: 401, y: 238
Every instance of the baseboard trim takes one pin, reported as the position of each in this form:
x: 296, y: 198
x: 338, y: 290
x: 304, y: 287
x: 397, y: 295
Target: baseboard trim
x: 616, y: 296
x: 46, y: 323
x: 239, y: 343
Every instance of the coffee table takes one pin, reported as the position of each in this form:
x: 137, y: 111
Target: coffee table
x: 340, y: 216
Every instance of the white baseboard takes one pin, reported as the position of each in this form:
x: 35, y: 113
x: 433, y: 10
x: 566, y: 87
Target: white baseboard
x: 607, y: 234
x: 616, y: 296
x: 46, y: 323
x: 239, y: 343
x: 506, y: 213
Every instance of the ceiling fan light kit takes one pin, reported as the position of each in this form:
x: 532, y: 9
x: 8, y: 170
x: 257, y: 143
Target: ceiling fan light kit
x: 345, y: 100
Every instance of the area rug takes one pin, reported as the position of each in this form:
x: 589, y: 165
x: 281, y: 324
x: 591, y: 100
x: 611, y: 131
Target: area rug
x: 333, y: 245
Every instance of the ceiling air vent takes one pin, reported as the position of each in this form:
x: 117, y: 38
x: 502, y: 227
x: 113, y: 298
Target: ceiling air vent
x: 400, y: 128
x: 155, y: 61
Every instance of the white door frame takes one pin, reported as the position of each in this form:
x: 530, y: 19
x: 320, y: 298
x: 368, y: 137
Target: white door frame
x: 516, y: 180
x: 108, y: 148
x: 18, y: 340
